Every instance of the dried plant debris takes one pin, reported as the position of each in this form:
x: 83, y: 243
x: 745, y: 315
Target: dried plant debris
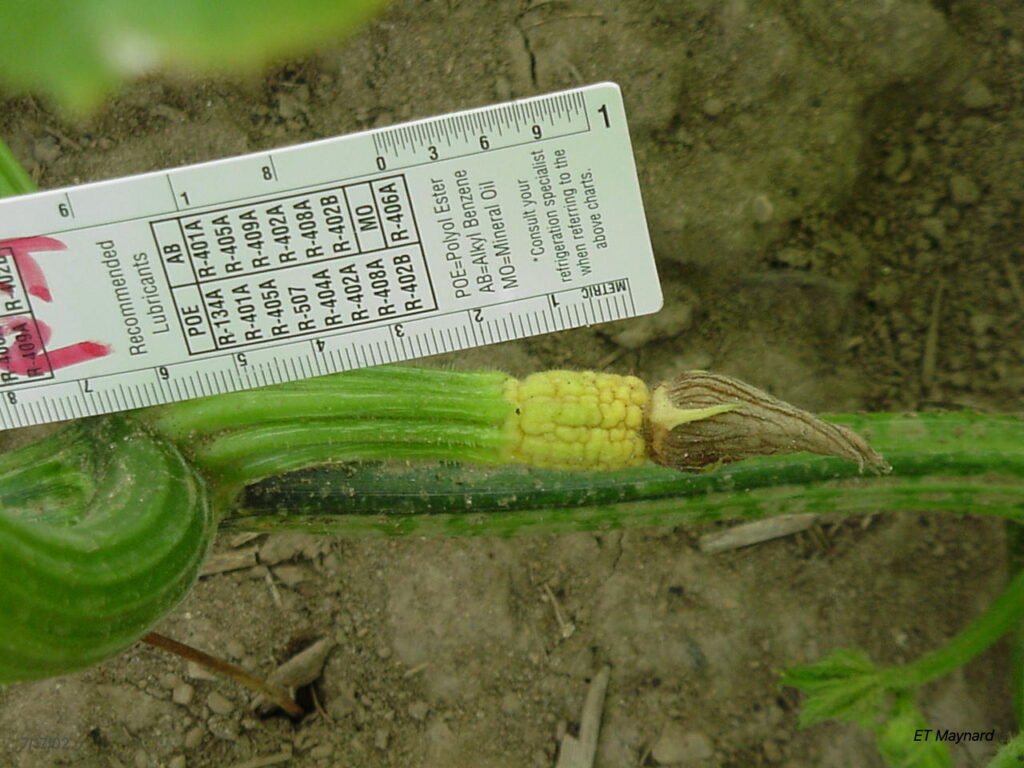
x: 700, y: 420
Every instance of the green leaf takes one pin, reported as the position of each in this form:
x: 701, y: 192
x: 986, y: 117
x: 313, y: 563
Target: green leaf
x: 845, y: 685
x: 77, y: 50
x: 1011, y: 755
x: 906, y: 741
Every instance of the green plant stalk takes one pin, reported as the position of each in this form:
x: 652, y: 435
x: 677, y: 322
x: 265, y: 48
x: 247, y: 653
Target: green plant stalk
x: 1001, y: 616
x: 1015, y: 563
x: 956, y: 462
x: 393, y: 413
x: 14, y: 180
x: 1004, y: 501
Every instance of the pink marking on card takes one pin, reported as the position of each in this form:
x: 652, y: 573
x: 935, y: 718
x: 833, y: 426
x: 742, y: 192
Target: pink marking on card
x: 80, y: 352
x: 27, y: 356
x: 31, y: 274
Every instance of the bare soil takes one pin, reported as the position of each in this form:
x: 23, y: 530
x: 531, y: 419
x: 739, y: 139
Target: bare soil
x: 834, y: 192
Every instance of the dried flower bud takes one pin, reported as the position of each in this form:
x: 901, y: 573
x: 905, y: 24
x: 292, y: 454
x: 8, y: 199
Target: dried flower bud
x: 700, y: 419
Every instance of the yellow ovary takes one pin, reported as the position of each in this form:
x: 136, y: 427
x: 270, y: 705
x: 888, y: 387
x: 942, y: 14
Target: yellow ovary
x: 576, y: 420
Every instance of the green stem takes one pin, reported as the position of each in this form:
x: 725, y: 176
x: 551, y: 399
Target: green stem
x: 1015, y: 563
x: 995, y: 622
x: 956, y: 462
x: 397, y: 413
x: 422, y: 395
x: 14, y: 180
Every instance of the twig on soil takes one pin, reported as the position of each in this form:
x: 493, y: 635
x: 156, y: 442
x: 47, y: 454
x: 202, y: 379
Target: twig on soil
x: 263, y: 762
x: 233, y: 560
x: 274, y: 593
x: 931, y: 340
x: 565, y: 627
x: 239, y: 675
x: 580, y: 751
x: 748, y: 534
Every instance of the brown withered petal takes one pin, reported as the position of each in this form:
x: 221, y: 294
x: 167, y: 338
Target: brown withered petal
x: 700, y: 419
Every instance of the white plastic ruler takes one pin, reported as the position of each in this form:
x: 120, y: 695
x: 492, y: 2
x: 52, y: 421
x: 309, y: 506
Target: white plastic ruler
x: 411, y: 240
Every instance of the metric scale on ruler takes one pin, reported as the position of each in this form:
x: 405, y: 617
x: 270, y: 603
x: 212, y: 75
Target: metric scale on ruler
x: 433, y: 236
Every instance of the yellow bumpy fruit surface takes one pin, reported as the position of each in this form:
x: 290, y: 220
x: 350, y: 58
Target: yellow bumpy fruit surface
x: 576, y: 420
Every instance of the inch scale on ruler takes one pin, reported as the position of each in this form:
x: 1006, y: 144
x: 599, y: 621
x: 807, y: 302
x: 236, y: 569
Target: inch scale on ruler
x: 433, y: 236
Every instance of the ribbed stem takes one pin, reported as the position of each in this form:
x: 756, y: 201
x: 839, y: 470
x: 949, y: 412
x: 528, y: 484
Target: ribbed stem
x: 393, y: 413
x: 423, y: 395
x: 957, y: 462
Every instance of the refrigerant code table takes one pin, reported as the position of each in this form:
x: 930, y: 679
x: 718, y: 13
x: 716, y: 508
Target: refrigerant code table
x: 291, y: 266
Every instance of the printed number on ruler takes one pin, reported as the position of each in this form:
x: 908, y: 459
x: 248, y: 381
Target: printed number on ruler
x: 432, y: 236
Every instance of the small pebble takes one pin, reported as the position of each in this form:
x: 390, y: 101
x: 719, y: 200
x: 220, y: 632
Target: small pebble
x: 673, y: 319
x: 935, y: 228
x: 761, y: 209
x: 924, y: 121
x: 677, y: 745
x: 321, y: 751
x: 194, y: 737
x: 976, y: 95
x: 981, y: 323
x: 141, y: 759
x: 169, y: 113
x: 963, y: 190
x: 293, y: 575
x: 199, y: 672
x: 418, y: 710
x: 894, y: 163
x: 235, y: 649
x: 182, y: 694
x: 219, y: 704
x: 771, y: 751
x: 169, y: 681
x: 794, y: 257
x: 45, y: 150
x: 381, y: 737
x: 714, y: 106
x: 178, y: 761
x: 223, y: 728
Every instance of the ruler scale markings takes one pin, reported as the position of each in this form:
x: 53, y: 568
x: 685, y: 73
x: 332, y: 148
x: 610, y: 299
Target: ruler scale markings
x: 542, y: 321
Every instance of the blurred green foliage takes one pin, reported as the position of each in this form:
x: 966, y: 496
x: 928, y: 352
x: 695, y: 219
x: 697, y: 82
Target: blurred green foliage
x: 76, y: 51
